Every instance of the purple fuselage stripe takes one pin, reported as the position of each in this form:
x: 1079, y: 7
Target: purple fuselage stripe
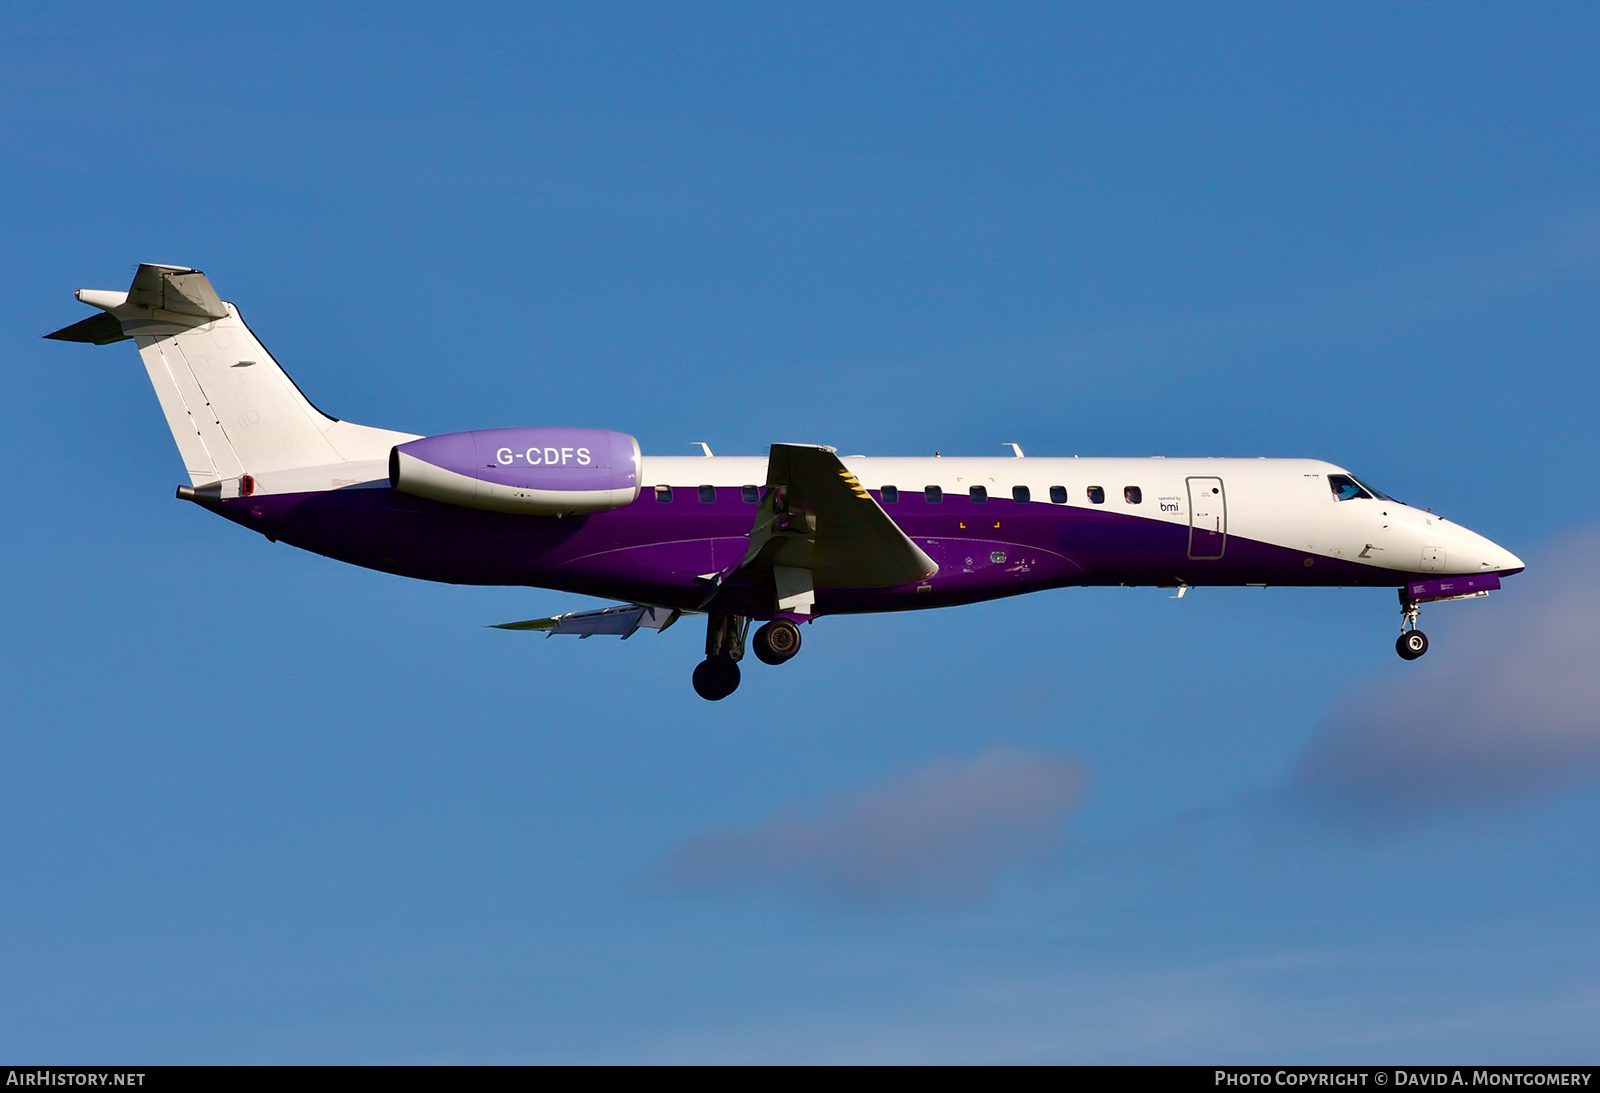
x: 1443, y: 587
x: 660, y: 553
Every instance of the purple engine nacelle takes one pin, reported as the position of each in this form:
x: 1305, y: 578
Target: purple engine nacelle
x: 541, y: 472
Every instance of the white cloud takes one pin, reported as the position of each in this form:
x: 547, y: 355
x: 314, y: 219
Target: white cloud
x: 944, y: 832
x: 1509, y: 711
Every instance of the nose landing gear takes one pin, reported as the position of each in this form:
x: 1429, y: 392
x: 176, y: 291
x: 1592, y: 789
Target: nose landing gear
x: 1411, y: 643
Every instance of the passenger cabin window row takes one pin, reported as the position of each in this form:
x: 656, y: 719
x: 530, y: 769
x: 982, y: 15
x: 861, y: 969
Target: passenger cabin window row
x: 1344, y: 489
x: 1022, y: 495
x: 750, y: 495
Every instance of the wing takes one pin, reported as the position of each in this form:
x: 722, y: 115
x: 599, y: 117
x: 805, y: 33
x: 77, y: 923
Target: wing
x: 621, y: 621
x: 817, y: 517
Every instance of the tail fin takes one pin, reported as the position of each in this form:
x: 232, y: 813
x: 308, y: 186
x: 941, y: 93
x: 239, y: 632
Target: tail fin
x: 231, y: 408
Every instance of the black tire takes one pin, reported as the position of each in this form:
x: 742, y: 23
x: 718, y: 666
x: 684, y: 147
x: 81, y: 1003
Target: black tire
x: 776, y: 642
x: 1411, y: 645
x: 715, y: 678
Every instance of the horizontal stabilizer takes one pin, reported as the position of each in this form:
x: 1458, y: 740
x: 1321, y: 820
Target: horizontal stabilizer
x: 178, y: 289
x: 102, y: 329
x: 620, y: 621
x: 161, y: 301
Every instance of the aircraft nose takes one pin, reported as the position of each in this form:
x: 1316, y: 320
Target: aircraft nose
x: 1496, y: 558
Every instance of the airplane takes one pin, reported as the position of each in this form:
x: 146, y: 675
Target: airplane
x: 781, y: 540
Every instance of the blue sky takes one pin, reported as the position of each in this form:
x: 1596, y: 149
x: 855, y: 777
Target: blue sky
x: 263, y: 807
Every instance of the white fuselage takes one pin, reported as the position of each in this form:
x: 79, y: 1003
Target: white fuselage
x: 1282, y: 502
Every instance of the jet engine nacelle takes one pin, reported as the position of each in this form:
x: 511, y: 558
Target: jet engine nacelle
x: 540, y: 472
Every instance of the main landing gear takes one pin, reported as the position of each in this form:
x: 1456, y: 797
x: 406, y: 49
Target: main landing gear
x: 777, y: 641
x: 1411, y: 643
x: 717, y: 677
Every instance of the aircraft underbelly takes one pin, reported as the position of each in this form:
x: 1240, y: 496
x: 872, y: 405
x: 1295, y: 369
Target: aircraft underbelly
x: 680, y: 558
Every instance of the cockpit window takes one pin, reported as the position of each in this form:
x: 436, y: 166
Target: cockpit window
x: 1379, y: 494
x: 1347, y: 488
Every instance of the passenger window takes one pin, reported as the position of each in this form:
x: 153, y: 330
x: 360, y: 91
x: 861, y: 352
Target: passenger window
x: 979, y: 494
x: 1097, y: 495
x: 708, y: 494
x: 1346, y: 488
x: 750, y: 494
x: 664, y: 494
x: 891, y: 495
x: 933, y: 495
x: 1058, y: 495
x: 1020, y: 495
x: 1132, y: 495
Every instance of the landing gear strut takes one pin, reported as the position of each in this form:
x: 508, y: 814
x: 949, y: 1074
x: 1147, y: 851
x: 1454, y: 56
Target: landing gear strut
x: 717, y: 677
x: 776, y: 642
x: 1411, y: 643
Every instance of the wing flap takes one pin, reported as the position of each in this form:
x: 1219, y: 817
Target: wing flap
x: 617, y: 621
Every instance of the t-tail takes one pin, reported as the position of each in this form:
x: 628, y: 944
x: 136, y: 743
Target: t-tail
x: 239, y: 421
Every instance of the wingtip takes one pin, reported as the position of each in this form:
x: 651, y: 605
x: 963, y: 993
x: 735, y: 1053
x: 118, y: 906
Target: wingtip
x: 527, y: 624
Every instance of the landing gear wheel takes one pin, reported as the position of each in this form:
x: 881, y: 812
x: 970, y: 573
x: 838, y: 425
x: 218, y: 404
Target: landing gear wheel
x: 715, y: 678
x: 777, y: 641
x: 1412, y: 644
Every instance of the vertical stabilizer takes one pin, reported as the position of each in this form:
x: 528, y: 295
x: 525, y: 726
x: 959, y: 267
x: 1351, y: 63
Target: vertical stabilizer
x: 232, y: 410
x: 248, y: 415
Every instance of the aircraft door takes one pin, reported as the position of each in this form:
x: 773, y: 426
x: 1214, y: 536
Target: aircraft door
x: 1208, y: 518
